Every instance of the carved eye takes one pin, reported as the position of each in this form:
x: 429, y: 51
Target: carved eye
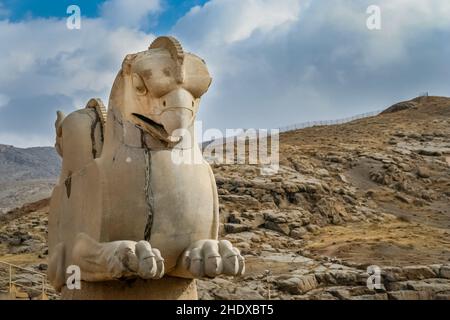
x: 139, y: 84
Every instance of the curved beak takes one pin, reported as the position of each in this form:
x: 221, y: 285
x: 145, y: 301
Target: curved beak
x: 178, y: 113
x: 176, y: 117
x: 176, y: 121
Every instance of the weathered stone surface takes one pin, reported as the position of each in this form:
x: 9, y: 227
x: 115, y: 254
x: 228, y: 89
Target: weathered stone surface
x: 423, y: 172
x: 235, y: 228
x: 239, y: 201
x: 443, y: 296
x: 410, y: 295
x: 139, y: 290
x: 280, y: 227
x: 393, y: 274
x: 418, y: 272
x: 247, y: 294
x: 298, y: 233
x: 347, y: 277
x: 298, y: 285
x: 376, y: 296
x: 405, y: 105
x: 433, y: 285
x: 430, y: 152
x: 444, y: 272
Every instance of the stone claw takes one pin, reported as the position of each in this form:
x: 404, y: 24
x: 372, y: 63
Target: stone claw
x: 136, y: 258
x: 210, y: 258
x: 151, y: 263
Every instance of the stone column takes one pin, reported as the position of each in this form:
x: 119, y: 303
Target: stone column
x: 167, y: 288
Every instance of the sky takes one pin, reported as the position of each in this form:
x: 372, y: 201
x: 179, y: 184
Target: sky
x: 273, y: 62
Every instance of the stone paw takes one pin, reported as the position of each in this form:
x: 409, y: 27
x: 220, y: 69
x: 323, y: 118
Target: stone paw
x: 210, y: 258
x: 151, y: 263
x: 136, y: 258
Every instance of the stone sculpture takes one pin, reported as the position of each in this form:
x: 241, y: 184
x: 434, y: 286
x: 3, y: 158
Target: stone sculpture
x: 123, y: 210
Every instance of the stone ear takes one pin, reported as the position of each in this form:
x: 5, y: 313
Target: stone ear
x: 126, y: 64
x: 210, y: 82
x: 58, y: 123
x: 58, y: 126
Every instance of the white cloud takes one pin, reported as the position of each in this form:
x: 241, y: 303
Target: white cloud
x: 227, y: 21
x: 279, y: 62
x: 46, y: 67
x: 67, y: 61
x: 403, y: 23
x: 273, y: 62
x: 130, y: 13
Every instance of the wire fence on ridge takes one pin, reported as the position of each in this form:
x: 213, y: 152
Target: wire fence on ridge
x: 309, y: 124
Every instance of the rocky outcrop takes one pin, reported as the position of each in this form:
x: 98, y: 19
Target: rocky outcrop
x: 370, y: 192
x: 405, y: 105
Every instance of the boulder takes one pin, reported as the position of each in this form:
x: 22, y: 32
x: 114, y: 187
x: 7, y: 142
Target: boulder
x: 418, y: 272
x: 444, y: 272
x: 443, y: 296
x: 298, y: 285
x: 298, y: 233
x: 313, y: 228
x: 410, y: 295
x: 432, y: 285
x: 423, y: 172
x: 393, y: 274
x: 430, y: 152
x: 405, y: 105
x: 235, y: 228
x: 279, y: 227
x: 347, y: 277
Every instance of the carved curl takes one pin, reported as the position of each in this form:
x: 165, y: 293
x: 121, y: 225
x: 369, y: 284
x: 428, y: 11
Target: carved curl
x: 172, y: 45
x: 58, y: 126
x: 99, y: 107
x: 176, y: 51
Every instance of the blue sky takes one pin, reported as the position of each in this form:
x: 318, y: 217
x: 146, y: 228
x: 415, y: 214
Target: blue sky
x: 173, y: 10
x: 273, y: 62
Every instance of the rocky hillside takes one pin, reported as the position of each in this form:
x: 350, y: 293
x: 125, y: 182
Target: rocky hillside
x: 26, y: 175
x: 375, y: 191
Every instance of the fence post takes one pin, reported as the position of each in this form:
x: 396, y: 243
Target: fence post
x: 309, y: 124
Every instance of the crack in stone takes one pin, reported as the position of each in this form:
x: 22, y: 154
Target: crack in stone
x: 68, y: 184
x: 97, y: 120
x: 148, y: 195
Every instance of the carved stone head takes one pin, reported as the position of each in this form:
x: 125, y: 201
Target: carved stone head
x: 161, y: 89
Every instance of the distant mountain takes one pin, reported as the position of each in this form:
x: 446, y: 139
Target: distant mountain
x: 18, y: 164
x: 26, y: 175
